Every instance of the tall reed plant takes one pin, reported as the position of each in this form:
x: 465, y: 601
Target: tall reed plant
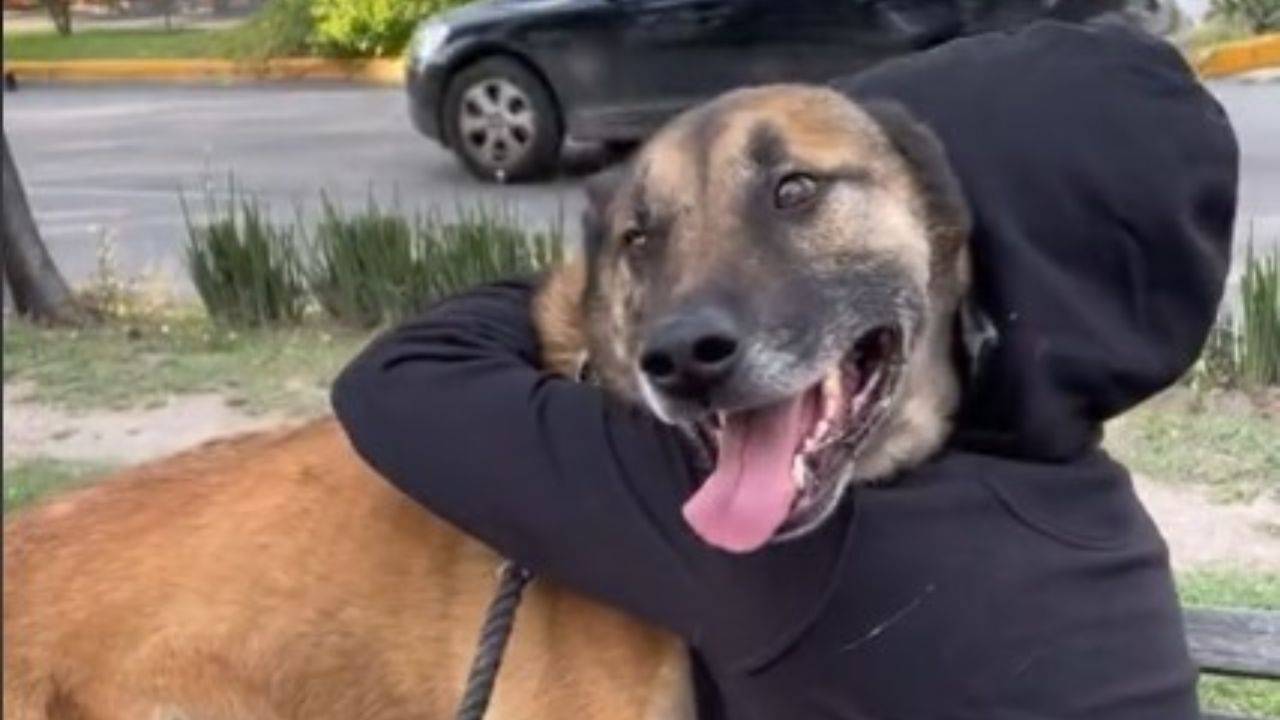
x: 245, y: 267
x: 365, y: 267
x: 1259, y: 350
x: 375, y: 266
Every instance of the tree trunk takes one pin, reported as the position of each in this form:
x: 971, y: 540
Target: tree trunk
x: 60, y: 13
x: 38, y: 290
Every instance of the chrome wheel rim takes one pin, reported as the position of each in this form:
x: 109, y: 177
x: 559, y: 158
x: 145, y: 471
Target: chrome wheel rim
x: 496, y: 123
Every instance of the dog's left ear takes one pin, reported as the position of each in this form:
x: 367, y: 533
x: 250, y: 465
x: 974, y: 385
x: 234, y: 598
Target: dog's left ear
x: 600, y: 190
x: 945, y: 204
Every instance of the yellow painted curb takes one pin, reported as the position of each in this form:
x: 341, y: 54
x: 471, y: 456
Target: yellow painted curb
x: 1217, y: 61
x: 381, y: 72
x: 1236, y: 57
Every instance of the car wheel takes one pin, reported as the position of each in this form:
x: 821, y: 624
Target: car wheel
x: 502, y: 121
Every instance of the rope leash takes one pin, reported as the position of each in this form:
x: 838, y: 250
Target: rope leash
x: 498, y: 621
x: 493, y: 641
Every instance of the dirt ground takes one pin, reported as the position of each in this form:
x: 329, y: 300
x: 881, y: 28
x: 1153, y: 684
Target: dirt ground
x: 1199, y: 532
x: 120, y: 437
x: 1203, y: 533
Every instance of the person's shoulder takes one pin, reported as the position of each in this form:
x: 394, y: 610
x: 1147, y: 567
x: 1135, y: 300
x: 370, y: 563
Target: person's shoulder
x: 1085, y: 503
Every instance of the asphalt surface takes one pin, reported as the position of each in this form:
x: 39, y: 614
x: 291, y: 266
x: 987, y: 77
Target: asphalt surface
x: 112, y: 162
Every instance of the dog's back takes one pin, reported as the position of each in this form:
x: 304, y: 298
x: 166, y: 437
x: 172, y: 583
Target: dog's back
x: 275, y: 576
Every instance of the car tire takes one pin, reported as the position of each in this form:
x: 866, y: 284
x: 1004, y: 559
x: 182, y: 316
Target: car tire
x: 502, y: 122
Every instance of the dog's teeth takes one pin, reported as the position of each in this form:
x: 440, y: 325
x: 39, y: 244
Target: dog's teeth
x: 831, y: 390
x: 798, y: 474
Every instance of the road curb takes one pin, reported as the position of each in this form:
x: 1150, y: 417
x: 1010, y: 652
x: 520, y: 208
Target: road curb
x: 1234, y: 58
x: 1217, y: 61
x: 377, y: 72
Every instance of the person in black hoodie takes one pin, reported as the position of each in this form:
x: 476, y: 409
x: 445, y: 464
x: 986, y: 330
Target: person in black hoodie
x: 1013, y: 576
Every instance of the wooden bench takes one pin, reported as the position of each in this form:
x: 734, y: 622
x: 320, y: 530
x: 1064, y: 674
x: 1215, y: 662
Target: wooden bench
x: 1237, y: 643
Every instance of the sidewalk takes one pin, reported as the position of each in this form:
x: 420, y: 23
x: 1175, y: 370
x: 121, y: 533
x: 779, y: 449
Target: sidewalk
x: 26, y: 21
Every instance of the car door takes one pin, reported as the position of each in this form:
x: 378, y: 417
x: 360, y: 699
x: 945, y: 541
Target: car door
x: 672, y: 54
x: 622, y: 67
x: 816, y: 40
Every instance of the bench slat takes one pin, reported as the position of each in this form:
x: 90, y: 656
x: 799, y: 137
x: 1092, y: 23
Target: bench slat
x: 1235, y: 642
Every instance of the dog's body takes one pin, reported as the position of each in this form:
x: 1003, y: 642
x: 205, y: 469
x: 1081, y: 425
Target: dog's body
x: 276, y: 576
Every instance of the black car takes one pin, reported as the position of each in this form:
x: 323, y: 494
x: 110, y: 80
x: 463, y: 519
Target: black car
x: 504, y: 82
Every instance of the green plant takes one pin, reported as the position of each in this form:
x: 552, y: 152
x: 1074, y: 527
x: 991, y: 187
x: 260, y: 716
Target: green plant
x: 484, y: 245
x: 1216, y: 366
x: 1261, y: 15
x: 1213, y: 30
x: 1244, y: 349
x: 377, y: 266
x: 364, y: 268
x: 109, y: 294
x: 370, y: 28
x: 1260, y: 315
x: 245, y: 267
x: 279, y: 29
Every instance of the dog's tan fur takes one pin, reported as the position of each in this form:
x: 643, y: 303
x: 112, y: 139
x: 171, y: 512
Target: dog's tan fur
x: 276, y: 576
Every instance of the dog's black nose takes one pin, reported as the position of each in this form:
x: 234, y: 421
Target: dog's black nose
x: 690, y: 355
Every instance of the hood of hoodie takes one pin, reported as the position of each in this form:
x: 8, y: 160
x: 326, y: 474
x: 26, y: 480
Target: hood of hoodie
x: 1101, y: 246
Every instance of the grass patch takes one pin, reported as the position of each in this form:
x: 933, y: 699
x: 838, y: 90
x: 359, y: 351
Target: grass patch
x: 280, y: 28
x: 1217, y: 440
x: 27, y: 481
x: 1230, y: 587
x: 113, y: 44
x: 139, y: 363
x: 1250, y: 698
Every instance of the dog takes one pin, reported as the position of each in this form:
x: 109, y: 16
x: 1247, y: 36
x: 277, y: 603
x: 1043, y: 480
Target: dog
x: 782, y: 262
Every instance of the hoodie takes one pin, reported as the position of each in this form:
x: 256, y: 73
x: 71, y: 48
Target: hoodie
x: 1013, y: 576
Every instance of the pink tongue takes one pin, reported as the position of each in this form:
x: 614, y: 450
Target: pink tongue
x: 749, y: 495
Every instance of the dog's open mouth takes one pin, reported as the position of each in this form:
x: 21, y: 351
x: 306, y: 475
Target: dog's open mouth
x: 780, y: 467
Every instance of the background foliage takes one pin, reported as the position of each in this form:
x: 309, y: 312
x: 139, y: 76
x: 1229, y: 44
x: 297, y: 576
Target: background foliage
x: 1261, y: 15
x: 370, y: 28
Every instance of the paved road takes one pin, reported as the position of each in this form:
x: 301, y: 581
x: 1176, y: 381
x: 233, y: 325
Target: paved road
x: 112, y: 161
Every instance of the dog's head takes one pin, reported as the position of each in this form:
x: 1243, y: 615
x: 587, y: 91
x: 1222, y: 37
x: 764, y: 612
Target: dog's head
x: 779, y: 271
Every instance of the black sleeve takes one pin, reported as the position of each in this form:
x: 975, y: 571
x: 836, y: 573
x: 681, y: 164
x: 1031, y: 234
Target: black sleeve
x: 453, y: 411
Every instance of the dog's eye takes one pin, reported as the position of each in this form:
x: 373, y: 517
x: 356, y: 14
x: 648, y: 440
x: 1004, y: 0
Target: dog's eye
x: 633, y: 238
x: 795, y: 190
